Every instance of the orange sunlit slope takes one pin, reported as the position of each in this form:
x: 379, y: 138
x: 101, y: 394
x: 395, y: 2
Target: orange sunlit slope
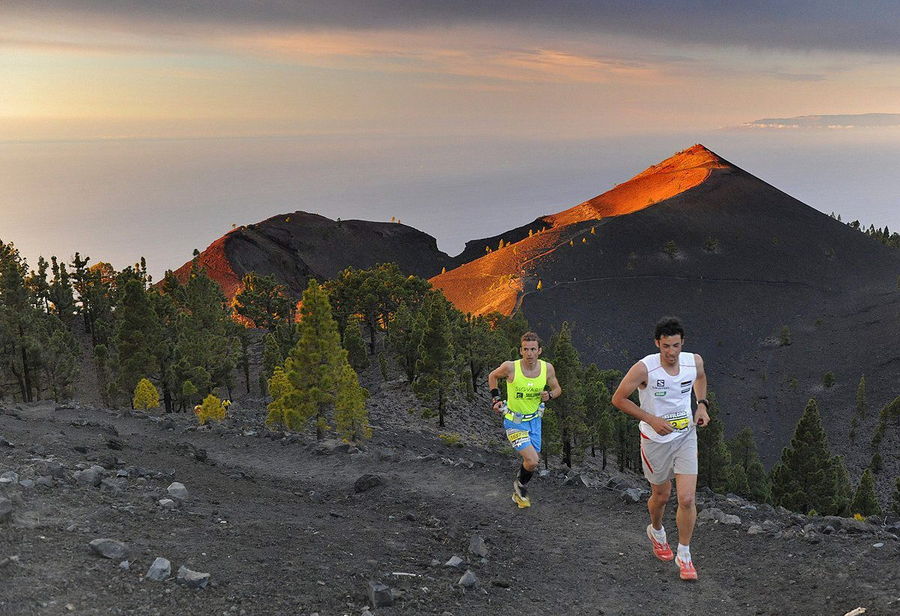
x: 496, y: 281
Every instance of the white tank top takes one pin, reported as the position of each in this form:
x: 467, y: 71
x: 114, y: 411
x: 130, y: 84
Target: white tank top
x: 668, y: 396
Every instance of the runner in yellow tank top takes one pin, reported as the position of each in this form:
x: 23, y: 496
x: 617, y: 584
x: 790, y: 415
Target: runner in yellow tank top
x: 529, y: 382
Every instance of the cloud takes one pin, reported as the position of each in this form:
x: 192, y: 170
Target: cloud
x: 873, y: 26
x: 462, y: 54
x: 832, y: 122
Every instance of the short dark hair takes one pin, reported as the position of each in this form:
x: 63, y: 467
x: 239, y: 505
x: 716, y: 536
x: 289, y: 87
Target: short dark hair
x: 532, y: 337
x: 668, y: 326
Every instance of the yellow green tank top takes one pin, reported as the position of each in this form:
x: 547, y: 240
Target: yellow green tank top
x: 523, y: 394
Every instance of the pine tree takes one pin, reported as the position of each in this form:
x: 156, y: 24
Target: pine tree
x: 206, y: 350
x: 61, y: 293
x: 861, y: 406
x: 350, y: 416
x: 865, y: 502
x: 278, y: 386
x: 271, y: 359
x: 60, y: 360
x: 434, y: 368
x: 598, y: 411
x: 137, y: 337
x: 877, y: 465
x: 19, y: 321
x: 626, y: 442
x: 569, y: 408
x: 313, y: 365
x: 805, y: 479
x: 355, y: 346
x: 481, y: 344
x: 891, y: 410
x: 263, y: 302
x: 714, y: 457
x: 843, y: 491
x: 375, y: 294
x: 146, y: 396
x: 404, y: 338
x: 745, y: 457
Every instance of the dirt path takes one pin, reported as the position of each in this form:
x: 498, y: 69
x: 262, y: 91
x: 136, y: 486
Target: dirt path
x: 281, y: 530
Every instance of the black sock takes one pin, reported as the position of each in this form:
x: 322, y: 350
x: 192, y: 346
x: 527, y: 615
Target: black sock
x: 524, y: 475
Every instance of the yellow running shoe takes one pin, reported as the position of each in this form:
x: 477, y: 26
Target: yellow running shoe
x: 520, y: 495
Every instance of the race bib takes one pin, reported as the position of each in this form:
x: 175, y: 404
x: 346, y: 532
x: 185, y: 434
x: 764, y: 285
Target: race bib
x: 680, y: 420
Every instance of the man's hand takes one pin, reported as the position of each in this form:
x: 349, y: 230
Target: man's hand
x: 701, y: 417
x: 496, y: 404
x: 661, y: 426
x: 545, y: 396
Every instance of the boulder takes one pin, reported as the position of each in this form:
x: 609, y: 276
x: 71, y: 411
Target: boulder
x: 113, y: 485
x: 455, y: 562
x: 380, y: 595
x: 468, y: 579
x: 632, y: 495
x: 177, y: 490
x: 192, y: 579
x: 367, y: 482
x: 89, y: 477
x: 110, y: 548
x: 477, y: 546
x: 159, y: 570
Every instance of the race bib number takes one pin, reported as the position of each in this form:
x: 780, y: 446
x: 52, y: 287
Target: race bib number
x: 679, y: 420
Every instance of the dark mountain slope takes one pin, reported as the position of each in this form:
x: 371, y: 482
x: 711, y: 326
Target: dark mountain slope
x: 296, y: 247
x: 738, y: 260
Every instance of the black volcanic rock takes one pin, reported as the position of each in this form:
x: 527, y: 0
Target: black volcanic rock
x: 299, y: 246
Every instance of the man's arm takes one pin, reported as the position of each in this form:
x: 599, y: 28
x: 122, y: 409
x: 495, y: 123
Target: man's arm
x: 503, y: 371
x: 701, y: 416
x: 636, y: 377
x: 555, y: 390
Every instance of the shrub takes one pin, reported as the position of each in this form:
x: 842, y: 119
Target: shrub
x: 828, y: 379
x: 451, y: 439
x: 146, y: 396
x: 785, y: 336
x: 711, y: 245
x: 212, y: 408
x: 671, y: 249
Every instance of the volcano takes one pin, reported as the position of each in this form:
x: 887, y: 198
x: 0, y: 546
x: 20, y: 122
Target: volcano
x: 737, y: 259
x: 298, y: 246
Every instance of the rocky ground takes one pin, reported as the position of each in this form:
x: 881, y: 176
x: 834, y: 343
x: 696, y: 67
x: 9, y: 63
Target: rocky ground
x: 409, y: 524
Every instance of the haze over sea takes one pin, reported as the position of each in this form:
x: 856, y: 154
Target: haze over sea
x: 162, y: 198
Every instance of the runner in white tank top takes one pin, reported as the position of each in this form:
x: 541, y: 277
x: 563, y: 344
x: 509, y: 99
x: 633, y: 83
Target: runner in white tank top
x: 668, y: 438
x: 668, y: 396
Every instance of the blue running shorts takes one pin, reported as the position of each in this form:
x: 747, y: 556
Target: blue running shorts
x: 521, y: 435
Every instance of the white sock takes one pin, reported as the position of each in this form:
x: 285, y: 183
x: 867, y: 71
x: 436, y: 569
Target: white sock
x: 684, y: 552
x: 659, y: 535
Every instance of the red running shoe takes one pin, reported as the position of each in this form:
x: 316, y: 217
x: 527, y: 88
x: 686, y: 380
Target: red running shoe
x: 686, y: 569
x: 661, y: 550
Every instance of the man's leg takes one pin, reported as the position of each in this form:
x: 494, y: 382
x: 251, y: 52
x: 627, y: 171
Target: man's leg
x: 530, y: 459
x: 656, y: 504
x: 686, y: 516
x: 523, y: 476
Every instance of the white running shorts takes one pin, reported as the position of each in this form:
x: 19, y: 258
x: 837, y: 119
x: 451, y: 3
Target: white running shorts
x: 662, y: 461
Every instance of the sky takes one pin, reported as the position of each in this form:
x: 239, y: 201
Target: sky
x: 140, y: 128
